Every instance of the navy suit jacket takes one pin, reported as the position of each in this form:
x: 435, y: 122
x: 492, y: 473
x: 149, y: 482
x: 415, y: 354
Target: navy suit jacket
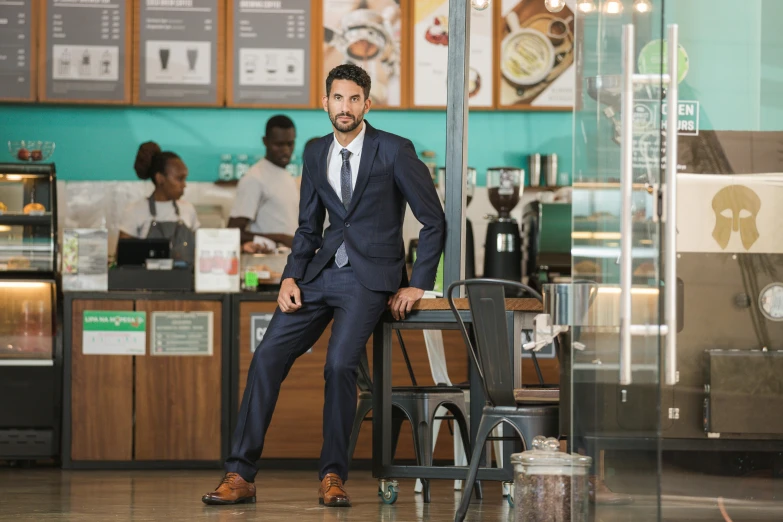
x: 390, y: 175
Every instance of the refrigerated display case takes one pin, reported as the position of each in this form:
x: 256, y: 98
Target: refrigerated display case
x: 30, y: 354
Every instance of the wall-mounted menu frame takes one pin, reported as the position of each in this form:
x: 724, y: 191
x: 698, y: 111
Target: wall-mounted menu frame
x: 179, y: 52
x: 18, y: 50
x: 429, y: 60
x: 270, y: 52
x: 84, y: 52
x: 542, y: 77
x: 376, y: 38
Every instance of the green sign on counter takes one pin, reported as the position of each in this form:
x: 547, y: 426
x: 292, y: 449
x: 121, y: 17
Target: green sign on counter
x: 181, y: 333
x: 114, y: 333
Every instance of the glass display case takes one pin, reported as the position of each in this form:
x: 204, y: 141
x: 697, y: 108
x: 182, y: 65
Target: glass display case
x: 27, y: 319
x: 27, y: 219
x: 30, y: 361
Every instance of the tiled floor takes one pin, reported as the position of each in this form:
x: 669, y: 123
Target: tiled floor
x: 291, y: 496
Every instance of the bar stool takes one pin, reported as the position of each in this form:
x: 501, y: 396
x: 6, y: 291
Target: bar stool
x: 418, y: 405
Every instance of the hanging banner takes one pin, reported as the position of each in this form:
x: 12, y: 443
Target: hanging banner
x: 368, y: 35
x: 536, y: 60
x: 430, y: 55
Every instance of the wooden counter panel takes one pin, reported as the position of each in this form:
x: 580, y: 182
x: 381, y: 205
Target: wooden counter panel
x: 296, y: 429
x: 178, y: 398
x: 101, y: 395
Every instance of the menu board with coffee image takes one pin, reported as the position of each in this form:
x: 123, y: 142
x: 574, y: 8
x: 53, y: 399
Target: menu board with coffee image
x: 536, y: 55
x: 17, y: 56
x: 269, y: 53
x: 431, y: 51
x: 179, y: 52
x: 85, y: 51
x: 367, y: 33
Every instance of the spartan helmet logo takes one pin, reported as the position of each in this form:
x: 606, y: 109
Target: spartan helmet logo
x: 736, y: 208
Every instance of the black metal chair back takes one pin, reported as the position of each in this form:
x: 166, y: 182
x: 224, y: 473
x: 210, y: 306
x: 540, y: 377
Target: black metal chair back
x: 487, y: 302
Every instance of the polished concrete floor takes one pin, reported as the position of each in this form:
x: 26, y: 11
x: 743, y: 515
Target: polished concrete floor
x: 291, y: 496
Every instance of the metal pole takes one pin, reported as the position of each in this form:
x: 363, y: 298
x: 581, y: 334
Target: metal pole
x: 456, y: 140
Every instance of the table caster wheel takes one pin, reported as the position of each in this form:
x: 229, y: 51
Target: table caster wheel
x: 510, y: 495
x: 387, y: 490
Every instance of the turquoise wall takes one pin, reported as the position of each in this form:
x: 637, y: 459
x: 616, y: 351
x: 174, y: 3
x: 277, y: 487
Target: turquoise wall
x: 736, y: 61
x: 99, y: 143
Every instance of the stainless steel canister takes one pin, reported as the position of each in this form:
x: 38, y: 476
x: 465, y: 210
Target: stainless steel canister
x: 534, y: 169
x: 550, y: 169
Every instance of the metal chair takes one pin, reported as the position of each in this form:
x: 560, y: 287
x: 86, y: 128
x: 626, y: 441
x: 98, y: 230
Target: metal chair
x: 418, y: 405
x: 486, y: 299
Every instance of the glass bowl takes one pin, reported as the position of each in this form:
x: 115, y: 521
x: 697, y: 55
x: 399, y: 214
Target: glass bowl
x: 31, y: 150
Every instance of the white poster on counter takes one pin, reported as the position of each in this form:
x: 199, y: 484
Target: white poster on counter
x: 85, y: 262
x: 217, y: 260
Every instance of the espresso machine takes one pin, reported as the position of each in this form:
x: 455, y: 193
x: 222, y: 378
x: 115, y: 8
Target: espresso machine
x: 470, y: 247
x: 502, y: 252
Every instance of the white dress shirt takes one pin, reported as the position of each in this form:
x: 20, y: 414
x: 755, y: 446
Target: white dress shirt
x: 335, y: 161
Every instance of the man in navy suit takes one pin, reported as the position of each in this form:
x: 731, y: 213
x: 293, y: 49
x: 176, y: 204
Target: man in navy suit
x: 350, y: 274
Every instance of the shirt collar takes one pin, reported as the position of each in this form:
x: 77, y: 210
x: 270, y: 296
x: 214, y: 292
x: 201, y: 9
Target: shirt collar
x: 268, y: 165
x: 356, y: 145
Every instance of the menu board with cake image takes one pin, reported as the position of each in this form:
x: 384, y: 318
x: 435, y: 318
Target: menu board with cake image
x: 85, y: 51
x: 367, y: 33
x: 431, y: 51
x: 536, y: 56
x: 179, y: 52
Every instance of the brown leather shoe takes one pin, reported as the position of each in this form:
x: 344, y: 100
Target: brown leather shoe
x: 332, y: 493
x: 599, y: 493
x: 233, y: 489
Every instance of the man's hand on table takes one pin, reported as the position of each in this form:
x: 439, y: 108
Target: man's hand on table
x: 402, y: 302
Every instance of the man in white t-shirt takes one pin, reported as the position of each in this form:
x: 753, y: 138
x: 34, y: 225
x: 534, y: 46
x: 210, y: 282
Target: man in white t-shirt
x: 266, y: 208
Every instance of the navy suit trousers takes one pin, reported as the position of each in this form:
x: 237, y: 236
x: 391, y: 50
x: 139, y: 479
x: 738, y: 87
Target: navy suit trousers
x: 334, y: 294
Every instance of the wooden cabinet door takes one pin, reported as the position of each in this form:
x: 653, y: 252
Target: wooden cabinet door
x: 101, y: 395
x: 179, y: 397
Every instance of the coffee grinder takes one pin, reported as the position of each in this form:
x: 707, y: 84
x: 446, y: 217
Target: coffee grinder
x: 502, y: 251
x: 470, y: 248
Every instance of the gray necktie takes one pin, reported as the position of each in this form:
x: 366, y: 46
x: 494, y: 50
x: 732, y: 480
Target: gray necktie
x: 346, y: 190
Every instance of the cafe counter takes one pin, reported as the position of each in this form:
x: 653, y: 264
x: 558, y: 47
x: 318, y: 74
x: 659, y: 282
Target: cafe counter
x: 155, y: 380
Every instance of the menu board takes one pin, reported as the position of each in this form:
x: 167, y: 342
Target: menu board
x: 536, y: 61
x: 17, y: 56
x: 370, y: 36
x: 85, y: 49
x: 431, y: 52
x: 179, y: 49
x: 269, y: 52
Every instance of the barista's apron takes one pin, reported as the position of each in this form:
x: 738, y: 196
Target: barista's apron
x: 181, y: 238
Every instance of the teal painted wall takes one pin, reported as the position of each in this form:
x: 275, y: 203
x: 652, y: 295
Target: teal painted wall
x: 736, y: 61
x: 99, y: 143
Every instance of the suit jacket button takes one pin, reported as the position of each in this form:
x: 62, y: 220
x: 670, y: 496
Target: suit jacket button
x: 347, y: 225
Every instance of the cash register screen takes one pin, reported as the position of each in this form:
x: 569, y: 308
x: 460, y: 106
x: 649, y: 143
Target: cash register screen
x: 135, y: 252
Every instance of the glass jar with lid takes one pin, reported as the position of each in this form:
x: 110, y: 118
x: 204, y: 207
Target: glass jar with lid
x: 549, y: 485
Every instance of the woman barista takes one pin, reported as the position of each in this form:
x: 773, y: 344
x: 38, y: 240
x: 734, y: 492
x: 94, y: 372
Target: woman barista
x: 163, y: 214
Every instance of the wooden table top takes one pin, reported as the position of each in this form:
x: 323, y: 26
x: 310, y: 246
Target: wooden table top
x: 516, y: 305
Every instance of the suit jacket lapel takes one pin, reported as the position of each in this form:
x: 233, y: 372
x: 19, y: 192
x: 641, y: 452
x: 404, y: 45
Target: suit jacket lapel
x: 369, y: 150
x: 323, y: 174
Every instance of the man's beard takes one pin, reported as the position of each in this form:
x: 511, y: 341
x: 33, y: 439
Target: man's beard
x: 346, y: 127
